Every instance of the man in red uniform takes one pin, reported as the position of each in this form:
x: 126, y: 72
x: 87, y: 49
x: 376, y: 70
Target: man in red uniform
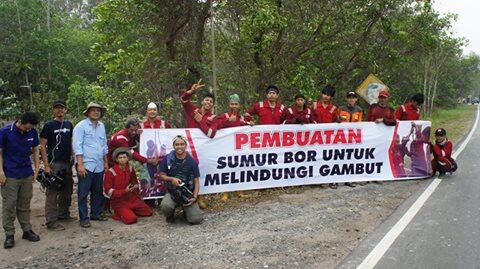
x: 127, y: 138
x: 299, y: 113
x: 200, y: 117
x: 381, y: 111
x: 442, y: 154
x: 411, y: 109
x: 152, y: 121
x: 232, y: 118
x: 122, y: 187
x: 324, y: 110
x: 270, y: 110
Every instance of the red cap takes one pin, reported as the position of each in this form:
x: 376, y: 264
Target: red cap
x: 383, y: 93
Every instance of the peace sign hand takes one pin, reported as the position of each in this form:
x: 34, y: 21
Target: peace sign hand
x: 196, y: 86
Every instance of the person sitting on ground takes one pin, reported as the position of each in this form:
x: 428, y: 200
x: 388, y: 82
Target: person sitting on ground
x: 180, y: 170
x: 122, y: 188
x: 411, y: 109
x: 442, y: 154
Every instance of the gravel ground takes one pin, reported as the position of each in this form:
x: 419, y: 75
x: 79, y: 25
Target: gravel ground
x: 307, y: 227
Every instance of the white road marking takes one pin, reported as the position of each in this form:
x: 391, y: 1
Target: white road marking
x: 377, y: 253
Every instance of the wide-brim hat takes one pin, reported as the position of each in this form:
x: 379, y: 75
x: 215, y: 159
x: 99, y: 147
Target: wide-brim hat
x: 121, y: 150
x: 92, y: 105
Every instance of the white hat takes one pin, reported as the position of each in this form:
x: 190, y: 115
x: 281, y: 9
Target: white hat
x: 152, y: 105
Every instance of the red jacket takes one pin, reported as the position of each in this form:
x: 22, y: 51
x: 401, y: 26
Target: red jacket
x: 377, y: 112
x: 116, y: 181
x: 325, y: 114
x: 266, y: 114
x: 157, y: 124
x: 223, y: 121
x: 208, y: 124
x: 293, y: 116
x: 123, y: 139
x: 407, y: 112
x: 442, y: 152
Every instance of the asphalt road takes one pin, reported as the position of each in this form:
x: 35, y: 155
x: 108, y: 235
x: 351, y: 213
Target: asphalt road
x: 445, y: 233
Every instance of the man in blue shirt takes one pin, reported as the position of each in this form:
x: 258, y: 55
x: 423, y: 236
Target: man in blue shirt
x: 90, y: 148
x: 56, y: 151
x: 178, y: 168
x: 17, y: 142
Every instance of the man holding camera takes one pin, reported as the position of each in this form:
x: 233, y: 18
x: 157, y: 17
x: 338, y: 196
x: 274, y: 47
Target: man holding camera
x: 17, y: 142
x: 182, y: 175
x: 56, y: 151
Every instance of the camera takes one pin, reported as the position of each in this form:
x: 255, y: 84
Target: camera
x: 180, y: 194
x: 50, y: 181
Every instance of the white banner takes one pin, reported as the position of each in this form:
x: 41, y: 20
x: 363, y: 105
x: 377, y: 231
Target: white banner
x: 269, y: 156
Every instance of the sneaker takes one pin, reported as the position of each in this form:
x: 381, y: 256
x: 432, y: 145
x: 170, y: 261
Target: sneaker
x: 333, y: 185
x: 85, y: 224
x: 9, y: 242
x: 31, y: 236
x: 54, y: 226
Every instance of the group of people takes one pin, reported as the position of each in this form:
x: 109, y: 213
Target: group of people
x: 106, y: 179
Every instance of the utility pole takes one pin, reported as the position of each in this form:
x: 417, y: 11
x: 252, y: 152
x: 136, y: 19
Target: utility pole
x: 49, y: 59
x: 214, y: 62
x: 27, y: 85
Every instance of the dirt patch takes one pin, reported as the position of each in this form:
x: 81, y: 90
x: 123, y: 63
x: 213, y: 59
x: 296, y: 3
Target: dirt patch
x: 306, y: 227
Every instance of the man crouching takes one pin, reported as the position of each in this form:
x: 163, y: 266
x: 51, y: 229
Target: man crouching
x: 182, y: 175
x: 122, y: 188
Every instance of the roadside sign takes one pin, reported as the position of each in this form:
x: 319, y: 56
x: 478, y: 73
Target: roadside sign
x: 370, y: 88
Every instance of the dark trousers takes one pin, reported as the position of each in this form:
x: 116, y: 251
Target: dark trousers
x: 91, y: 184
x: 16, y: 197
x: 57, y: 202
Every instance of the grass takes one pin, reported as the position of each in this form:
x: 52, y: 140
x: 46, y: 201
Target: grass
x: 456, y: 121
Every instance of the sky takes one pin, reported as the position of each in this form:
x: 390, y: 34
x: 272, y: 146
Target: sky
x: 468, y: 22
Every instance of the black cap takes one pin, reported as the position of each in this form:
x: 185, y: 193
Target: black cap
x: 440, y: 132
x: 272, y: 88
x: 352, y: 94
x: 59, y: 103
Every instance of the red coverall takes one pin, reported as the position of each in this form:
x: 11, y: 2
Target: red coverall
x: 323, y: 114
x: 442, y: 157
x: 387, y: 113
x: 407, y: 112
x: 157, y: 124
x: 208, y: 124
x: 266, y: 115
x: 126, y: 205
x: 293, y: 116
x: 223, y: 121
x: 123, y: 139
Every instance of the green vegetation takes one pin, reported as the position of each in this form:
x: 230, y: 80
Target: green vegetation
x: 457, y: 121
x: 125, y: 53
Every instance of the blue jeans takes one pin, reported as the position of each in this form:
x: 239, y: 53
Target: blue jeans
x: 91, y: 184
